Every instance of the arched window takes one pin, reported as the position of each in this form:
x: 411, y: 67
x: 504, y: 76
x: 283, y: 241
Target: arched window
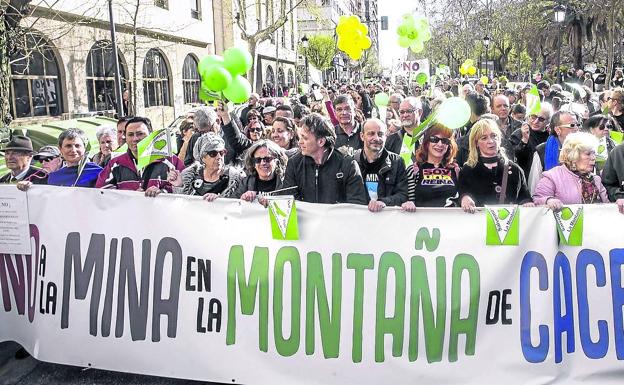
x: 35, y: 79
x: 101, y: 77
x: 291, y: 78
x: 190, y: 80
x: 155, y: 80
x: 270, y: 76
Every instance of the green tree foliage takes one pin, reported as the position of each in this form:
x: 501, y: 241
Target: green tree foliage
x: 320, y: 51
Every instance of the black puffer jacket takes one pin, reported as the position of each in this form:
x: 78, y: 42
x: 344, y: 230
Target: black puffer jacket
x: 337, y: 180
x: 392, y: 188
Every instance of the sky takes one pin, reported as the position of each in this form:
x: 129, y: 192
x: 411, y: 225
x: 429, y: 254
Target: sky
x: 388, y: 40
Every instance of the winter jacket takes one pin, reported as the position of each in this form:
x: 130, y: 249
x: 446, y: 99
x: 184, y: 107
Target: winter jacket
x: 193, y: 181
x: 484, y: 184
x: 336, y: 180
x: 248, y: 183
x: 561, y: 183
x: 392, y: 188
x: 613, y: 174
x: 352, y: 141
x: 121, y: 173
x: 524, y: 151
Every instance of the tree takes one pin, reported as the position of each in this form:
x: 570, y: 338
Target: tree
x: 11, y: 13
x: 320, y: 51
x: 255, y: 34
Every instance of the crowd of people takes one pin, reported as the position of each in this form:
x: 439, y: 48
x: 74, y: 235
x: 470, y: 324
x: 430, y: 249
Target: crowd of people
x: 334, y: 145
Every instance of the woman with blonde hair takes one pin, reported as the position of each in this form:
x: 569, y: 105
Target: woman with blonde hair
x: 489, y: 177
x: 574, y: 180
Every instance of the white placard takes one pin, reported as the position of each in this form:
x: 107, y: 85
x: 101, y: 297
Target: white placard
x: 14, y: 232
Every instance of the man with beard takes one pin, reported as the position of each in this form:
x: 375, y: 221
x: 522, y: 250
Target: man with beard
x: 410, y: 111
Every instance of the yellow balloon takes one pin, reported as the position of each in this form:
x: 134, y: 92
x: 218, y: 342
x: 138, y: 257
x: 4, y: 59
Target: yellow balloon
x: 472, y: 70
x: 342, y: 44
x: 462, y: 70
x: 366, y: 43
x: 485, y: 80
x: 362, y: 28
x: 356, y: 54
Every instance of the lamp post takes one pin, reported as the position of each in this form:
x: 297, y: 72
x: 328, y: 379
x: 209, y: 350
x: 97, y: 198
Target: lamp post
x: 560, y: 13
x: 305, y: 43
x: 486, y: 44
x: 118, y: 93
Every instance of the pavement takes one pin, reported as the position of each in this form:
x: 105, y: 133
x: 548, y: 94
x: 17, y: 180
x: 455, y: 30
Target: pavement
x: 29, y: 371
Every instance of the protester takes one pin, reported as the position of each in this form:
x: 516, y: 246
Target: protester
x: 50, y: 159
x: 616, y: 107
x: 410, y: 111
x: 347, y: 130
x: 599, y: 126
x: 530, y: 135
x: 319, y: 173
x: 252, y: 105
x: 76, y: 171
x: 573, y: 181
x: 107, y: 138
x: 284, y: 134
x: 238, y: 141
x: 210, y: 177
x: 18, y: 155
x: 432, y: 178
x: 546, y: 155
x: 383, y: 172
x: 186, y: 133
x: 121, y: 130
x: 479, y: 106
x: 488, y: 177
x: 122, y: 173
x: 205, y: 120
x: 265, y: 165
x: 268, y: 115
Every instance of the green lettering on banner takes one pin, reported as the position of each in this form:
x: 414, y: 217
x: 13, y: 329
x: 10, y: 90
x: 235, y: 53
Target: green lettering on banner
x: 316, y: 295
x: 359, y: 263
x: 258, y: 276
x: 287, y: 346
x: 393, y: 325
x: 467, y: 326
x: 420, y: 296
x: 431, y: 241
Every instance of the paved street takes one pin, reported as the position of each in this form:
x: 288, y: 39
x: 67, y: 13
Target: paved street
x: 29, y: 371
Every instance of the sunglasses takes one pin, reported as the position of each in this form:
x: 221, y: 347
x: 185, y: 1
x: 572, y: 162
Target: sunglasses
x: 255, y: 129
x: 267, y: 159
x: 48, y: 159
x: 571, y: 125
x: 538, y: 118
x: 435, y: 139
x: 214, y: 153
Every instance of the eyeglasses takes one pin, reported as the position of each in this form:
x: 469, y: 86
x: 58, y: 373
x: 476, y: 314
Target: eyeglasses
x: 48, y: 159
x: 255, y: 129
x: 267, y: 159
x: 538, y: 118
x: 214, y: 153
x: 571, y: 125
x: 435, y: 139
x: 603, y: 127
x: 410, y: 111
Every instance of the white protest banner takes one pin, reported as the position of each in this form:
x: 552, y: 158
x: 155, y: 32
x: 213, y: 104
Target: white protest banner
x: 410, y: 68
x: 179, y: 287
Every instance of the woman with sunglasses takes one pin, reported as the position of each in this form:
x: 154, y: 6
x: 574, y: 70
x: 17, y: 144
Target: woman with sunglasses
x: 599, y: 126
x: 489, y: 177
x: 210, y: 177
x: 265, y: 163
x: 432, y: 178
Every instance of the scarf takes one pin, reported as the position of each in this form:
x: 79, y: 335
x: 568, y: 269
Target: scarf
x: 489, y: 159
x: 551, y: 154
x: 589, y: 191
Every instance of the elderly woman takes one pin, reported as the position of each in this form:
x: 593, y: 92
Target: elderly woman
x: 210, y: 177
x: 284, y: 134
x: 574, y: 181
x: 432, y: 179
x: 107, y: 138
x: 599, y: 126
x: 265, y: 163
x: 489, y: 177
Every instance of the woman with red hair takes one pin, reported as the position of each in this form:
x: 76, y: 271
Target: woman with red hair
x: 432, y: 178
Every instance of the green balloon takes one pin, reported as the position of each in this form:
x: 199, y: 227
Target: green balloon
x: 207, y: 62
x: 453, y: 113
x: 422, y: 78
x: 404, y: 41
x: 382, y: 99
x: 216, y: 78
x: 239, y: 90
x: 206, y: 95
x: 237, y: 60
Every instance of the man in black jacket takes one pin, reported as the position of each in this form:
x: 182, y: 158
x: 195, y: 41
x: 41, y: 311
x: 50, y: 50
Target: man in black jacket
x: 348, y: 129
x: 320, y: 173
x: 383, y: 172
x: 18, y: 155
x: 410, y: 111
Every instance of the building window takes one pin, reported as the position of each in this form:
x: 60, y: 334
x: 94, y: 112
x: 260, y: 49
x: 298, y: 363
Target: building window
x: 190, y: 80
x: 291, y: 78
x: 35, y: 81
x: 162, y: 3
x: 155, y: 80
x: 270, y: 76
x: 280, y: 77
x: 196, y: 9
x: 101, y: 77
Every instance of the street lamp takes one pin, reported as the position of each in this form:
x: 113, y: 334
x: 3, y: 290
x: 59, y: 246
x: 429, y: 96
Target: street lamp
x: 486, y: 44
x: 305, y: 43
x: 560, y: 13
